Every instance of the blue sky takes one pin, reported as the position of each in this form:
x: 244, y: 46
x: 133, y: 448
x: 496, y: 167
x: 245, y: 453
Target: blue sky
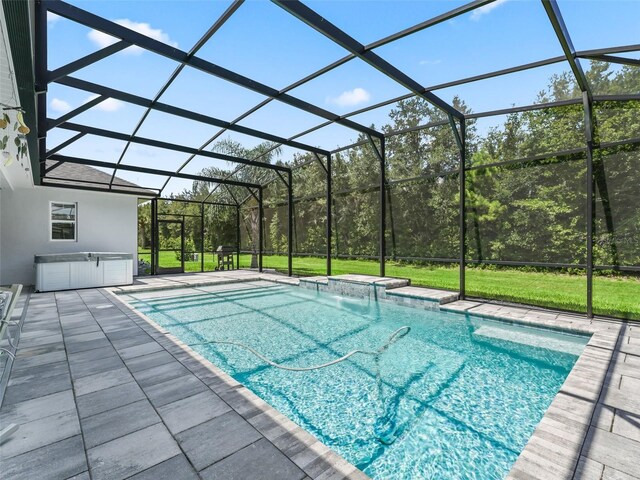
x: 264, y: 42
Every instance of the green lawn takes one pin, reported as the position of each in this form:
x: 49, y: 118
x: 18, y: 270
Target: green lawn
x: 615, y: 296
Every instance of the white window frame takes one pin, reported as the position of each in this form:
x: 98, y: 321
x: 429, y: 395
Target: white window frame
x: 52, y: 221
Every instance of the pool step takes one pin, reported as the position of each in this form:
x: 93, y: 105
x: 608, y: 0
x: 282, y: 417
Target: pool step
x: 312, y: 281
x: 429, y: 294
x: 386, y: 282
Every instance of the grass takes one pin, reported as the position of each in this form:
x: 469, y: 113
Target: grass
x: 617, y: 296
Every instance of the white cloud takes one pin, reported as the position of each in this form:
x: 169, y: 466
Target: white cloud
x: 479, y: 12
x: 108, y: 105
x: 350, y: 98
x: 52, y: 18
x: 103, y: 40
x: 59, y: 105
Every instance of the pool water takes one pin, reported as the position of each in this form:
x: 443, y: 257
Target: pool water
x: 457, y: 397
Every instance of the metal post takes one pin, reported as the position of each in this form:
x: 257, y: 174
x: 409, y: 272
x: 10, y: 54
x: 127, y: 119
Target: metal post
x: 383, y: 206
x: 154, y: 233
x: 182, y: 243
x: 41, y: 66
x: 329, y: 219
x: 260, y: 229
x: 463, y: 218
x: 290, y: 223
x: 588, y: 121
x: 202, y: 237
x: 238, y: 237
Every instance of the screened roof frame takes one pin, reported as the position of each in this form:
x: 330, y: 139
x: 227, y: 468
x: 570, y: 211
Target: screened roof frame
x: 62, y: 75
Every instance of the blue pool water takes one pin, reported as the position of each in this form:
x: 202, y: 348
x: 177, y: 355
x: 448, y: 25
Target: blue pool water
x: 457, y: 397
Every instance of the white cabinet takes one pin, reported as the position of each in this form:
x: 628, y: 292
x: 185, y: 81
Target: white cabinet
x: 53, y: 276
x: 69, y: 274
x: 117, y: 272
x: 84, y: 274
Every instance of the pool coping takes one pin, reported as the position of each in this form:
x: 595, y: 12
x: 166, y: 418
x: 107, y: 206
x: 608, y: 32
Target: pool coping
x: 554, y: 449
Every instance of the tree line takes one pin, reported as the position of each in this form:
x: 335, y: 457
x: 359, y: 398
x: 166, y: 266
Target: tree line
x: 529, y: 208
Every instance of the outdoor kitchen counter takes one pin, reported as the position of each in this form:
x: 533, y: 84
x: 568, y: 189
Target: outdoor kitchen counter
x: 81, y: 257
x: 65, y: 271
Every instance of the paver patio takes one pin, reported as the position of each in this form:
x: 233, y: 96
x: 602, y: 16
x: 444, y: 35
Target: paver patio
x: 101, y: 393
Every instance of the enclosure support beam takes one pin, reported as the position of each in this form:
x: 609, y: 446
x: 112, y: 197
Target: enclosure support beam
x: 260, y: 229
x: 178, y: 112
x: 463, y: 219
x: 614, y: 59
x: 53, y: 123
x: 41, y: 62
x: 111, y: 28
x: 557, y: 22
x: 290, y: 223
x: 380, y: 153
x: 323, y: 26
x: 85, y: 61
x: 319, y: 160
x: 202, y: 237
x: 233, y: 197
x: 64, y: 144
x: 237, y: 237
x: 329, y: 213
x: 199, y: 44
x: 555, y: 17
x: 456, y: 133
x: 154, y: 230
x: 151, y: 171
x: 591, y: 200
x: 329, y: 193
x: 100, y: 132
x: 383, y: 206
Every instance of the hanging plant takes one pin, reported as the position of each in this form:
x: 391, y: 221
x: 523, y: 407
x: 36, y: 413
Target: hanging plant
x: 18, y: 134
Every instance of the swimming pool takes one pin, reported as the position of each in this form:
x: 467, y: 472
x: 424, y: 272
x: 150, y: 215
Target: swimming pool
x: 456, y: 397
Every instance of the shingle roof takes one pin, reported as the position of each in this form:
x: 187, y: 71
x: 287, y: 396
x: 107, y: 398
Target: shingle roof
x: 75, y: 175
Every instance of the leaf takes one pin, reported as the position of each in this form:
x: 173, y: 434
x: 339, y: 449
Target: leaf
x: 16, y: 141
x: 6, y: 118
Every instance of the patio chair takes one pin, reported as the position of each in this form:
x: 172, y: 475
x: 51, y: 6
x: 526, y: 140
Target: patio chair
x: 10, y: 298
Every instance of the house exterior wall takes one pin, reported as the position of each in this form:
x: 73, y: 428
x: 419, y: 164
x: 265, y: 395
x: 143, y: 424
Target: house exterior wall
x: 105, y: 222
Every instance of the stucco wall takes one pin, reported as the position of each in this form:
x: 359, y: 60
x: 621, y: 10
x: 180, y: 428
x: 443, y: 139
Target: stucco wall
x: 106, y: 222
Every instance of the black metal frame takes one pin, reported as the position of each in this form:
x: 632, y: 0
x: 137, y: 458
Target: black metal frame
x: 156, y: 266
x: 156, y: 220
x: 375, y: 139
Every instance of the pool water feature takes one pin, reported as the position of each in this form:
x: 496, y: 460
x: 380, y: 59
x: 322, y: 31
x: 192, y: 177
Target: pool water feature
x: 456, y: 397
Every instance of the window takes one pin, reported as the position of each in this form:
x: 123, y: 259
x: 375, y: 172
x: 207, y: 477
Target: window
x: 63, y: 221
